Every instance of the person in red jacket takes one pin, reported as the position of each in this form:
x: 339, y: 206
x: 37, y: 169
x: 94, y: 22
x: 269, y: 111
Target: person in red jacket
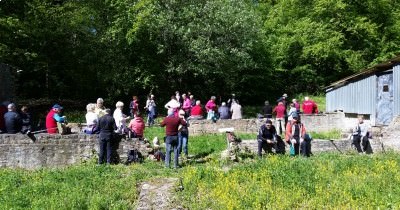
x: 52, y: 118
x: 280, y: 111
x: 309, y: 106
x: 137, y: 126
x: 171, y: 123
x: 197, y: 111
x: 296, y: 136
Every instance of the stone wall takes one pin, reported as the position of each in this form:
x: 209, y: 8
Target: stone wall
x: 19, y: 151
x: 316, y: 123
x: 331, y: 146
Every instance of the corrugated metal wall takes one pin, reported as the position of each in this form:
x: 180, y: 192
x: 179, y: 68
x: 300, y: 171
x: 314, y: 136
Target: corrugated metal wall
x: 357, y: 97
x: 396, y: 90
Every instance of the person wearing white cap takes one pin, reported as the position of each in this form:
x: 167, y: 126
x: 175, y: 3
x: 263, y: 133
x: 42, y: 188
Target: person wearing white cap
x: 12, y: 119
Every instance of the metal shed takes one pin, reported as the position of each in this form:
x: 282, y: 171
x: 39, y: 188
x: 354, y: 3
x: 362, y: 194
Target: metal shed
x: 374, y: 92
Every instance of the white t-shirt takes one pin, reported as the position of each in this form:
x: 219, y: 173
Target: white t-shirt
x: 91, y: 119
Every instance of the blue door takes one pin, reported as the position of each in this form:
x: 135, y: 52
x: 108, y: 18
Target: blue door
x: 384, y: 112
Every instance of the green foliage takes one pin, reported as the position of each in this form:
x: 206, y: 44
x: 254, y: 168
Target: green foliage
x: 257, y: 49
x: 281, y: 182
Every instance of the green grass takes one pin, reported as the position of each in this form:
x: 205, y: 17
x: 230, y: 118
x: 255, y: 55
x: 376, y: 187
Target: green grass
x: 323, y: 181
x: 332, y: 134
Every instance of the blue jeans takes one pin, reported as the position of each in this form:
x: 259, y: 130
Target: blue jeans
x: 171, y: 143
x: 183, y: 143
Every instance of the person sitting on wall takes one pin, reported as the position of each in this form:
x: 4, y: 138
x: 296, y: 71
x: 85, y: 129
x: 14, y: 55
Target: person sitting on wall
x: 26, y: 120
x: 309, y: 106
x: 297, y: 137
x: 92, y: 119
x: 223, y: 112
x: 360, y: 136
x: 267, y: 138
x: 197, y: 111
x: 54, y: 122
x: 12, y: 119
x: 137, y: 126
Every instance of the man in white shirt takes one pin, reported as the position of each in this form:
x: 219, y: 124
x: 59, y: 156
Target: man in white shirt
x: 360, y: 136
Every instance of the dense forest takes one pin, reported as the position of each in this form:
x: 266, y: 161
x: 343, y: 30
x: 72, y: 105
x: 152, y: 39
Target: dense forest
x: 83, y: 49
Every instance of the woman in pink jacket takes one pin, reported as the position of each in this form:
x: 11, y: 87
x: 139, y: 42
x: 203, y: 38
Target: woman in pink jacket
x: 137, y: 126
x: 211, y: 107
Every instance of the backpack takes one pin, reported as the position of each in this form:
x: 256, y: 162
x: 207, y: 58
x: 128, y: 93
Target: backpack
x: 134, y: 156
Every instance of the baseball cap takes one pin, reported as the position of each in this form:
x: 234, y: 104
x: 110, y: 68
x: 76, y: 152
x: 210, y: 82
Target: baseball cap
x: 57, y: 106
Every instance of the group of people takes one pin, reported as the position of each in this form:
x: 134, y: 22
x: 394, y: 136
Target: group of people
x: 284, y: 111
x: 13, y: 121
x: 211, y: 111
x: 295, y: 135
x: 180, y: 110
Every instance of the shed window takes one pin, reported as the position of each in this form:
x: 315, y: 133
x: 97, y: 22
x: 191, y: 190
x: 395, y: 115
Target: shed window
x: 385, y: 88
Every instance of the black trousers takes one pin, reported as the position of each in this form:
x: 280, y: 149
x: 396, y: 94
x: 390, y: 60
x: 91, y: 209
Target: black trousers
x: 263, y: 145
x: 105, y: 150
x: 364, y: 142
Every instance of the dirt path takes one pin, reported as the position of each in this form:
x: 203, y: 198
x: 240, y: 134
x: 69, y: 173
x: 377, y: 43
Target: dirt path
x: 158, y: 194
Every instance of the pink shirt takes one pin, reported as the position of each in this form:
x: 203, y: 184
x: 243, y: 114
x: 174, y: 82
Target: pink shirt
x: 186, y: 104
x: 210, y: 105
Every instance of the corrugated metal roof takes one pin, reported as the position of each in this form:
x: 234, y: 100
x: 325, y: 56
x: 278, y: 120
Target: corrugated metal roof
x: 365, y: 73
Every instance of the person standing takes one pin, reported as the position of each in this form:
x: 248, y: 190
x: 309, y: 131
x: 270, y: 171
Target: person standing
x: 12, y: 119
x: 186, y: 105
x: 236, y: 111
x: 267, y: 138
x: 296, y: 105
x: 134, y: 106
x: 107, y: 126
x: 183, y: 135
x: 284, y: 100
x: 100, y: 109
x: 151, y: 110
x: 267, y: 110
x: 211, y: 108
x: 171, y: 124
x: 360, y: 136
x: 292, y: 112
x: 173, y: 105
x: 280, y: 111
